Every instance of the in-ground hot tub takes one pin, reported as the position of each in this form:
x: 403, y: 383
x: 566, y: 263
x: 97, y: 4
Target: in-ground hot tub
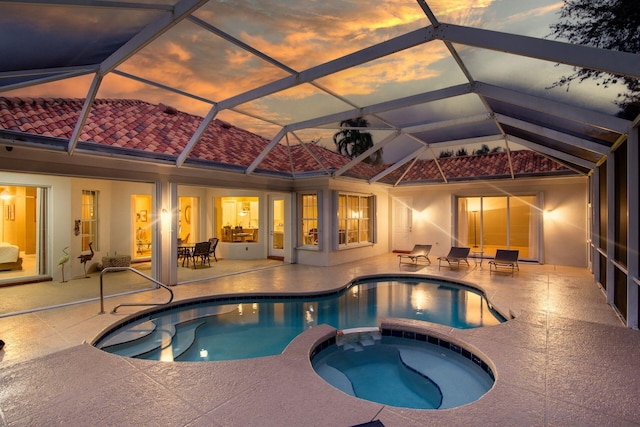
x: 402, y: 369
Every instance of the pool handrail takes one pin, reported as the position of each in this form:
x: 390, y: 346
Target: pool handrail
x: 111, y: 269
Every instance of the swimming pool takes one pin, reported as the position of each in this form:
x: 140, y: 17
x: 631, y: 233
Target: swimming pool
x: 241, y: 327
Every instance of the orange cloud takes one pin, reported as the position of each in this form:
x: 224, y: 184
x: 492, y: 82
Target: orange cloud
x: 538, y: 11
x: 301, y: 36
x: 180, y: 53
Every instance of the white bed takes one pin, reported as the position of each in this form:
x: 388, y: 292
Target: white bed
x: 10, y: 257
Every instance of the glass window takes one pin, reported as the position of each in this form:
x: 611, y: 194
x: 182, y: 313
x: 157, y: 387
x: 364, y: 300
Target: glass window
x: 354, y: 219
x: 309, y: 219
x: 239, y: 218
x: 499, y: 222
x: 142, y: 224
x: 24, y: 210
x: 188, y: 221
x: 89, y: 220
x: 494, y: 219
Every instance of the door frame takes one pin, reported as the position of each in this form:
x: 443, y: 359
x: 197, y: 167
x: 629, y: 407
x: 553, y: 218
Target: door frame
x: 402, y: 226
x: 271, y: 227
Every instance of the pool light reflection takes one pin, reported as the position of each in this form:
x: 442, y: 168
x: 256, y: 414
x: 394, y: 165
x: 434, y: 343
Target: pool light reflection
x: 419, y: 300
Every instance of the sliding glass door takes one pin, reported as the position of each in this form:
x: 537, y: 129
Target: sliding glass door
x: 488, y: 223
x: 22, y: 233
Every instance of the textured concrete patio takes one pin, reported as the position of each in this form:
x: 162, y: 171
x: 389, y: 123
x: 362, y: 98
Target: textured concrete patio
x: 565, y: 359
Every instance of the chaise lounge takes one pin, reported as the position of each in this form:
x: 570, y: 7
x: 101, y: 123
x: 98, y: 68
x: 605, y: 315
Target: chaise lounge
x: 455, y: 256
x: 418, y: 252
x: 505, y: 258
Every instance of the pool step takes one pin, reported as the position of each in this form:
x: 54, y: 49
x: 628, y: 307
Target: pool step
x: 458, y: 378
x: 357, y: 338
x: 336, y: 378
x: 185, y: 338
x: 158, y: 338
x: 127, y: 335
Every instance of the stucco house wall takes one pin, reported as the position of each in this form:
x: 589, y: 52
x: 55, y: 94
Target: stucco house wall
x: 564, y: 224
x: 327, y: 255
x: 59, y: 194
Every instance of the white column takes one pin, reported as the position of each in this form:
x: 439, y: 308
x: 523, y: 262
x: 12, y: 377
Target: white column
x: 165, y: 252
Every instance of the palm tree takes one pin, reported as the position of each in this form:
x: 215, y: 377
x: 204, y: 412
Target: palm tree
x: 352, y: 142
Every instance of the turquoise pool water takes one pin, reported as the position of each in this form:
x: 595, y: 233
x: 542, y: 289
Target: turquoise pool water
x: 404, y: 373
x: 246, y: 327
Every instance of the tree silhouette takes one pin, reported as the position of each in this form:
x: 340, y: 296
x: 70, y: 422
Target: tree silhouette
x: 353, y: 142
x: 608, y: 24
x: 484, y: 149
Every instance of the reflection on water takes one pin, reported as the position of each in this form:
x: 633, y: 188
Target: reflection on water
x: 259, y: 327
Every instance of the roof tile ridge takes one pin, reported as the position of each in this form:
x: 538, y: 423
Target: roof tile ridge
x: 20, y: 101
x: 130, y: 101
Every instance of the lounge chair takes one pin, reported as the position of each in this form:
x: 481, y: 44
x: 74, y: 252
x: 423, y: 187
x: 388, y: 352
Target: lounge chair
x: 505, y: 258
x: 418, y: 252
x: 455, y: 256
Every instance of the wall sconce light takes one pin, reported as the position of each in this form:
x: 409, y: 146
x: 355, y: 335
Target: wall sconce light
x: 5, y: 195
x: 165, y: 216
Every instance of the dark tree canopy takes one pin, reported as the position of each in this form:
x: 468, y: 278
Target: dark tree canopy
x: 353, y: 142
x: 484, y: 149
x: 607, y: 24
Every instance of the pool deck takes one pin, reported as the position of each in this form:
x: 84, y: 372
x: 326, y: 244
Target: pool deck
x: 566, y: 359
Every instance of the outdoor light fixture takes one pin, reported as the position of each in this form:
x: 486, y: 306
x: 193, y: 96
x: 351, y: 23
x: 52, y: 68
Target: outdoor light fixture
x: 5, y: 195
x: 165, y: 217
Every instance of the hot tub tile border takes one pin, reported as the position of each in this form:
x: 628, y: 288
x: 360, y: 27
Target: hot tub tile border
x: 432, y: 339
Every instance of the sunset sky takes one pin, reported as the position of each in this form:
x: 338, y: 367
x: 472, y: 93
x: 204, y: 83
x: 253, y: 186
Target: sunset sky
x: 298, y: 35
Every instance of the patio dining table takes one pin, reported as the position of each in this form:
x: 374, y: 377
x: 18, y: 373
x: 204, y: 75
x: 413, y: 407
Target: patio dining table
x: 185, y: 251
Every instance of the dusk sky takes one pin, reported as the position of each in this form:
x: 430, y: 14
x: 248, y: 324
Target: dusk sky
x: 299, y: 35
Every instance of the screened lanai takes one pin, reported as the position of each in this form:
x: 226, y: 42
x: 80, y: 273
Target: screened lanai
x: 425, y: 75
x: 432, y: 79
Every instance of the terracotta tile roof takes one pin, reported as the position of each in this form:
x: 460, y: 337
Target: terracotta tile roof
x: 491, y: 165
x: 160, y: 129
